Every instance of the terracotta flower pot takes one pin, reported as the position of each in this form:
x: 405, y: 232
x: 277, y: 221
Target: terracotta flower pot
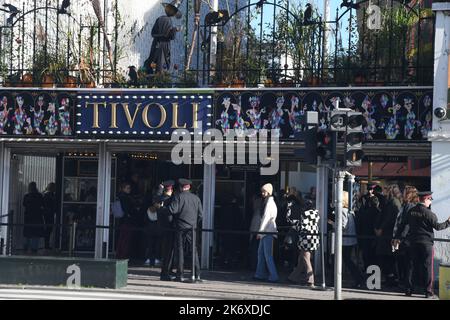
x: 238, y: 84
x: 314, y: 81
x: 48, y: 81
x: 27, y: 80
x: 220, y: 85
x: 90, y: 84
x: 70, y: 82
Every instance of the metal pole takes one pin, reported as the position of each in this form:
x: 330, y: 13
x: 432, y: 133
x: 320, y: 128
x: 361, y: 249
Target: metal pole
x: 322, y: 206
x: 213, y: 44
x: 10, y: 239
x: 338, y: 238
x: 193, y: 253
x: 72, y: 239
x: 370, y: 178
x: 207, y: 240
x: 5, y: 171
x: 351, y: 183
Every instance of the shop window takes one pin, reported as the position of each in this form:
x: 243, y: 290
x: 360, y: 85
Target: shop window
x: 79, y: 204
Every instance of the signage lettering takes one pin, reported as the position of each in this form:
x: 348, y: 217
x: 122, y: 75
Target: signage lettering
x: 113, y: 116
x: 95, y: 119
x: 143, y: 115
x: 127, y: 113
x: 175, y: 117
x: 163, y: 116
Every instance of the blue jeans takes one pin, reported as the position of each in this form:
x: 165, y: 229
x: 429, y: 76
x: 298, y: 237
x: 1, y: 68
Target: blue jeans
x: 265, y: 260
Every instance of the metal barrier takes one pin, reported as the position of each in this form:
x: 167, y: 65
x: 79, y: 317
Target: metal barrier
x: 283, y: 231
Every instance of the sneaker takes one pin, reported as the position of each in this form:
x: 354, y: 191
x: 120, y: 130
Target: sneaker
x: 147, y: 262
x: 408, y: 292
x: 157, y: 263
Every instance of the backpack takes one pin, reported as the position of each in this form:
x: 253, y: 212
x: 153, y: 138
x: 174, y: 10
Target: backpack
x: 116, y: 209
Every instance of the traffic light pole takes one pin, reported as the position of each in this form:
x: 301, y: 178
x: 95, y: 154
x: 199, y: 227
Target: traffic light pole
x: 340, y: 175
x: 322, y: 207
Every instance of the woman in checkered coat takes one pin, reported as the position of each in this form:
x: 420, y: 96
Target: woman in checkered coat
x: 307, y: 244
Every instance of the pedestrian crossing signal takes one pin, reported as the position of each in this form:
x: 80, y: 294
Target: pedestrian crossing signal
x: 354, y: 139
x: 326, y: 146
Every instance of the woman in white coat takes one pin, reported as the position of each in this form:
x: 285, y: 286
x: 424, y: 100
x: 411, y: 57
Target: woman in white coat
x: 266, y: 263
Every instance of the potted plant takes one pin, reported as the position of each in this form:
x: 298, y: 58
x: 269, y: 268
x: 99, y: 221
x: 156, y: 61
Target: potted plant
x: 27, y: 80
x: 70, y: 82
x: 188, y: 80
x: 238, y: 83
x: 161, y: 80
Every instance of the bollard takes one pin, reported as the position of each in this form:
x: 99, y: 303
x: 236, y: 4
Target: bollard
x: 193, y: 253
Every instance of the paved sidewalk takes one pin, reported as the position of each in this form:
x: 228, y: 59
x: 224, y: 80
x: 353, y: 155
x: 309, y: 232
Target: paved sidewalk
x: 144, y: 283
x: 232, y: 285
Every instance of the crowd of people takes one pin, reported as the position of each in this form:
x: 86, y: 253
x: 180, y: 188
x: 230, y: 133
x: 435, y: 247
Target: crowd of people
x: 390, y: 228
x: 169, y: 216
x: 395, y: 230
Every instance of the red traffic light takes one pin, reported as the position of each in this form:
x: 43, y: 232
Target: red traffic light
x: 325, y: 145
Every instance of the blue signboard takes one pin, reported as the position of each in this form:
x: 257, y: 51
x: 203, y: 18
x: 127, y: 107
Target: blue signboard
x: 144, y: 114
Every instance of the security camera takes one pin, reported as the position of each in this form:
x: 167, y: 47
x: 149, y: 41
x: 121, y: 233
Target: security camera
x: 440, y: 113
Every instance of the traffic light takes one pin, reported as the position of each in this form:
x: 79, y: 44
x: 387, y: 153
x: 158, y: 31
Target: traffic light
x: 309, y: 153
x: 326, y: 146
x: 354, y: 139
x: 338, y: 120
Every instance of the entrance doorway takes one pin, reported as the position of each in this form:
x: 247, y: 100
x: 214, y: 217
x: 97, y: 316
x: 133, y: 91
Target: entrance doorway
x: 24, y: 170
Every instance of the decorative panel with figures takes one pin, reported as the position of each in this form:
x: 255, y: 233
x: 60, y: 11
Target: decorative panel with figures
x: 391, y: 115
x: 36, y: 113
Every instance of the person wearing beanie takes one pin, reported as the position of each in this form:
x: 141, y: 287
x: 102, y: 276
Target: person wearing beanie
x: 266, y: 263
x: 268, y: 188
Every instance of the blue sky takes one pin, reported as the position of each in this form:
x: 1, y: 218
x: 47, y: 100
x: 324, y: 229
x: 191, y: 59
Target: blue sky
x: 318, y: 5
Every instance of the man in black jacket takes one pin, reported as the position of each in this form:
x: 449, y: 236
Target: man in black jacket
x: 187, y: 210
x: 166, y: 224
x: 421, y: 221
